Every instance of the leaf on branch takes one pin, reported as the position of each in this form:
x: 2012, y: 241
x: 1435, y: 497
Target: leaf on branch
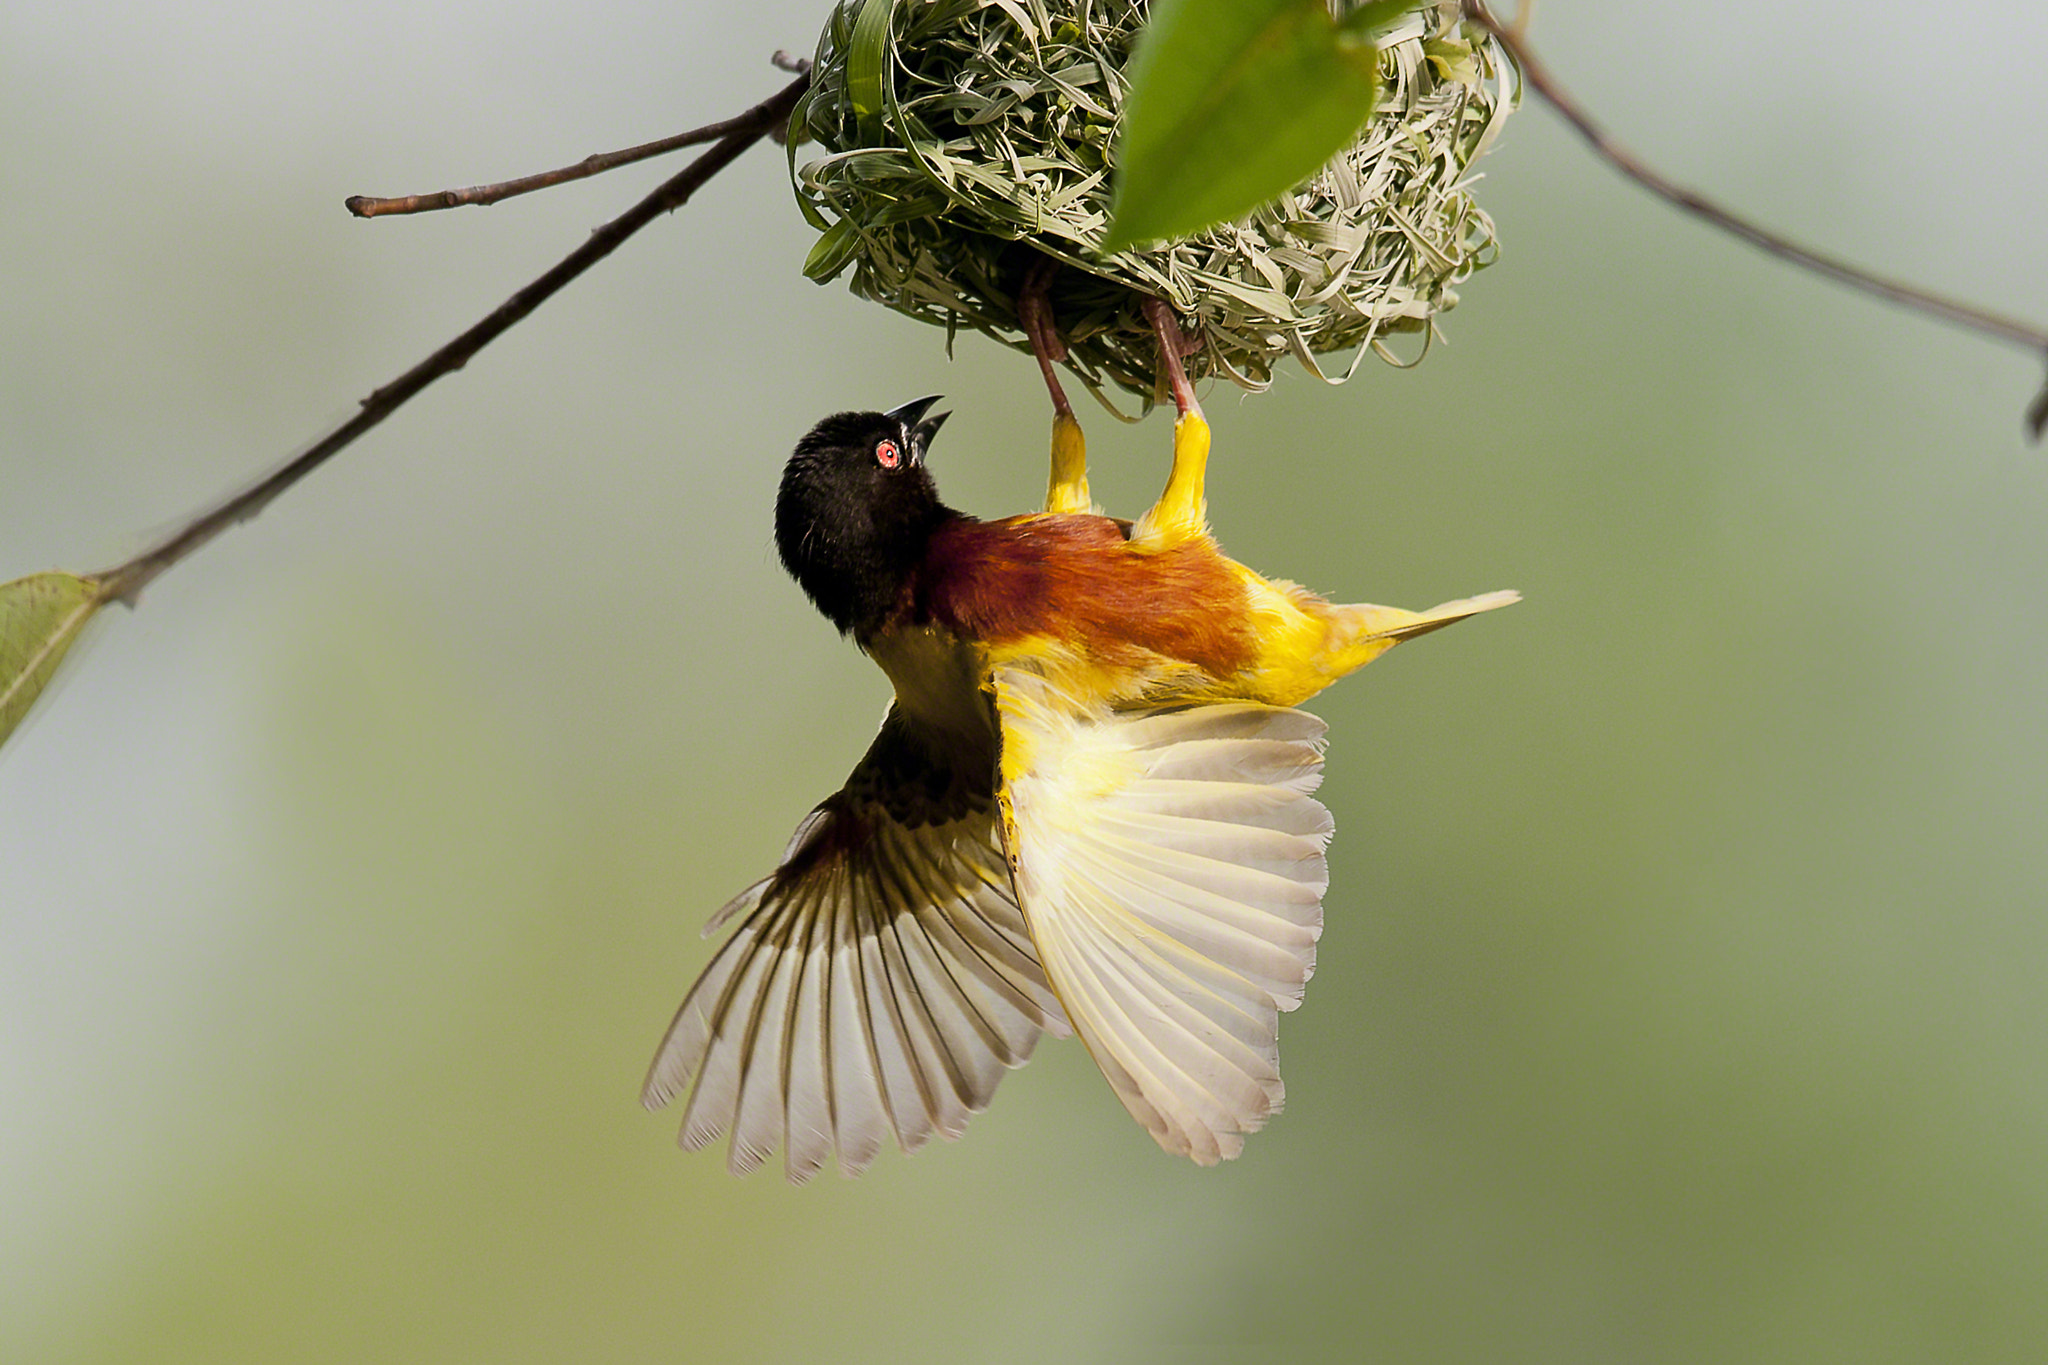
x: 39, y: 618
x: 1234, y: 102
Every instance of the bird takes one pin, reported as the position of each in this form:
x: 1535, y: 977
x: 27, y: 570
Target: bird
x: 1089, y: 810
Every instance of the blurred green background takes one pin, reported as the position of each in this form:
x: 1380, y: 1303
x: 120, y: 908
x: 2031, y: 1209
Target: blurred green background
x: 1682, y: 997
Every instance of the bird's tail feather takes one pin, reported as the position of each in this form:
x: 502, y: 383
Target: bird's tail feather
x: 1394, y: 623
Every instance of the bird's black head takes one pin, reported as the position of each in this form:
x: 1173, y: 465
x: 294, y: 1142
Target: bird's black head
x: 856, y: 509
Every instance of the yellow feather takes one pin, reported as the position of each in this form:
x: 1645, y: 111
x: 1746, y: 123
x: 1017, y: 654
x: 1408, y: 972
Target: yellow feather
x: 1182, y: 512
x: 1067, y: 488
x: 1305, y: 643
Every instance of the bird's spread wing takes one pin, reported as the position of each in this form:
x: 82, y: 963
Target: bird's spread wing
x: 1170, y: 867
x: 879, y: 981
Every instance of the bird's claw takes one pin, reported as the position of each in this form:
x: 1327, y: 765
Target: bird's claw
x: 1067, y: 487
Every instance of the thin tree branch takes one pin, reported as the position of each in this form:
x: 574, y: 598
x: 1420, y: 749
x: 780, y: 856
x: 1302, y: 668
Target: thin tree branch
x: 371, y: 206
x: 1911, y: 296
x: 127, y: 581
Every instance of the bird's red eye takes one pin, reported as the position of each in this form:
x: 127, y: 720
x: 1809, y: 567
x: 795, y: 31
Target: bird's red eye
x: 887, y: 456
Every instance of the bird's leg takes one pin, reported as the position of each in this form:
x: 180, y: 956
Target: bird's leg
x: 1182, y: 511
x: 1067, y: 488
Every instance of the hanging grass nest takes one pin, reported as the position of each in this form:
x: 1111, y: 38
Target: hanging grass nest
x: 993, y: 147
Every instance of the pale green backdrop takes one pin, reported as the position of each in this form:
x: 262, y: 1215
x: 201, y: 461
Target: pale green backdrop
x: 1683, y: 993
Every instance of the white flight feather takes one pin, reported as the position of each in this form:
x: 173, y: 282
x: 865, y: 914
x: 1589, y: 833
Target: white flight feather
x: 1170, y: 868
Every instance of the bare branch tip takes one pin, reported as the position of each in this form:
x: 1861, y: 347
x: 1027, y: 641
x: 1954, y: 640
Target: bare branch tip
x: 1513, y: 37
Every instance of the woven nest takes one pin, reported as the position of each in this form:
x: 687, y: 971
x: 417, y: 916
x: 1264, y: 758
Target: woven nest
x: 993, y: 147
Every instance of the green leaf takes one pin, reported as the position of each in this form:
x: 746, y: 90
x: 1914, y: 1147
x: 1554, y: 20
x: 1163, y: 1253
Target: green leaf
x: 1235, y: 101
x: 867, y: 67
x: 833, y: 249
x: 39, y: 618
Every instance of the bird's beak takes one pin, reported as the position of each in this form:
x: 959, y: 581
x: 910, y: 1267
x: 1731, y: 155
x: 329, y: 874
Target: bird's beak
x: 910, y: 413
x: 920, y: 427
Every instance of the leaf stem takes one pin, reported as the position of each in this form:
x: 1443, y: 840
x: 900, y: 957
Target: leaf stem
x: 127, y: 581
x: 1982, y: 320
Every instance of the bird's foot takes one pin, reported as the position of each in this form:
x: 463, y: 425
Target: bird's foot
x: 1173, y: 345
x: 1182, y: 511
x: 1066, y: 489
